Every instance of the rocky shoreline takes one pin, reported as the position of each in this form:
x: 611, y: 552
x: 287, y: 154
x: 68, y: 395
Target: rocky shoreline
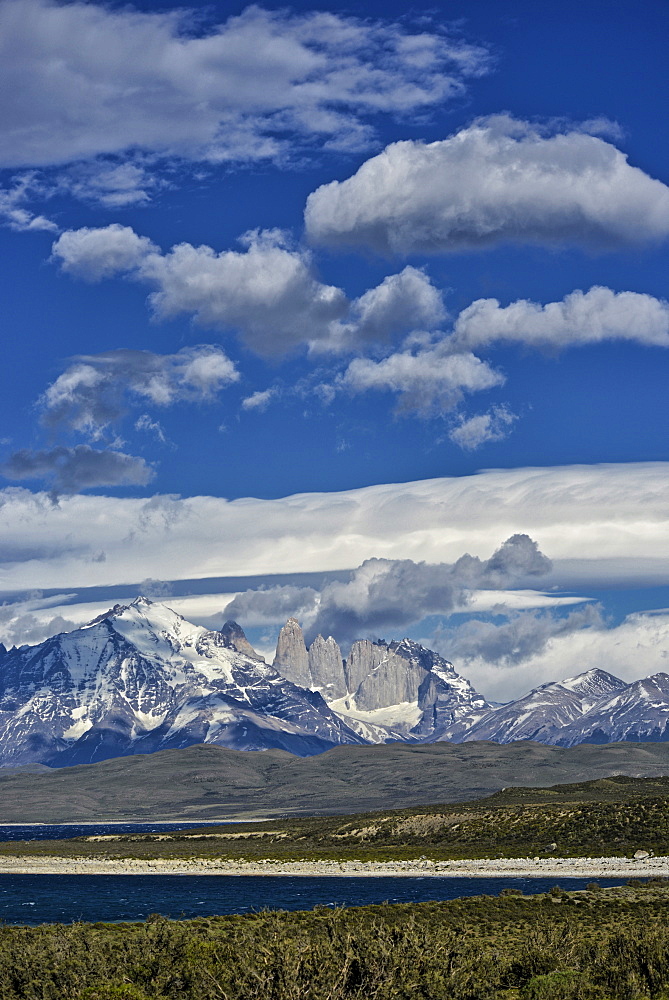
x: 520, y: 867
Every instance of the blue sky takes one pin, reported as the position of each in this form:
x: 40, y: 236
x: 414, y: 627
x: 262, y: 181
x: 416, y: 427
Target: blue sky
x: 479, y: 283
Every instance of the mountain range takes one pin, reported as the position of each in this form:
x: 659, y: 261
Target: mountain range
x: 140, y: 678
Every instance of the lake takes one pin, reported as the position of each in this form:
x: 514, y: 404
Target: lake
x: 37, y: 899
x: 61, y: 831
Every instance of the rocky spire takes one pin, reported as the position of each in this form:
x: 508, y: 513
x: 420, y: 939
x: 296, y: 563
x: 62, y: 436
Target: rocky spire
x: 291, y: 659
x: 326, y: 668
x: 234, y: 638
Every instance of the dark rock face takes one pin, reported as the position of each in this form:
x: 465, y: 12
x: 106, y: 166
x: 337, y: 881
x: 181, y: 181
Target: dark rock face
x: 235, y: 638
x: 405, y: 673
x: 364, y: 657
x: 386, y: 691
x: 141, y: 679
x: 319, y: 668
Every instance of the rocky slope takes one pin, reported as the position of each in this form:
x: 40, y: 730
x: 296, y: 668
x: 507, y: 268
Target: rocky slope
x: 543, y: 713
x: 400, y: 690
x: 140, y: 678
x: 385, y: 691
x: 636, y: 712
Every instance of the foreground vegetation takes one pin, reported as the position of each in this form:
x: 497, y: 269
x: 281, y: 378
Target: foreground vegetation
x: 610, y: 817
x: 602, y: 944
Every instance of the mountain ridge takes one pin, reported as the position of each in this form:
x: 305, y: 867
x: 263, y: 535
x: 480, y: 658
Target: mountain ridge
x: 140, y: 678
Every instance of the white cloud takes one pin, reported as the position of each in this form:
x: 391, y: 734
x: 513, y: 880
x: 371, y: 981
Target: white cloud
x: 268, y: 291
x: 580, y: 318
x: 209, y: 609
x: 498, y: 180
x: 521, y: 637
x: 427, y: 381
x: 93, y: 254
x: 145, y: 423
x: 33, y: 619
x: 508, y: 601
x: 402, y: 302
x: 13, y: 211
x: 271, y: 294
x: 95, y: 390
x: 113, y: 185
x: 80, y: 80
x: 602, y: 526
x: 635, y: 648
x: 475, y: 431
x: 260, y: 400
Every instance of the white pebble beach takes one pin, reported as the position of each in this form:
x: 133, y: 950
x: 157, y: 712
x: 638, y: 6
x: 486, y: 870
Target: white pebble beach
x: 521, y: 867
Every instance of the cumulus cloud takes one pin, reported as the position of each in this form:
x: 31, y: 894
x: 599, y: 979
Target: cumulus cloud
x: 432, y: 376
x: 522, y: 636
x: 86, y: 80
x: 28, y: 621
x: 80, y: 468
x: 472, y: 432
x: 93, y: 254
x: 498, y: 180
x: 590, y: 317
x: 402, y: 302
x: 13, y: 210
x: 391, y: 593
x: 526, y: 653
x: 268, y: 292
x: 94, y: 391
x: 428, y: 381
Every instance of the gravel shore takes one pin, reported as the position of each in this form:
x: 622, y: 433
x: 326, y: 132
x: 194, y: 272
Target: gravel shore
x: 523, y: 867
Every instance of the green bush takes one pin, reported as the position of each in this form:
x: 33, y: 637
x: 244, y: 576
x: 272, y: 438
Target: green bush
x: 614, y: 946
x: 563, y: 984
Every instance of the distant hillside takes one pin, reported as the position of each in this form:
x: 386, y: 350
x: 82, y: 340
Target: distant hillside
x: 607, y: 817
x: 205, y: 783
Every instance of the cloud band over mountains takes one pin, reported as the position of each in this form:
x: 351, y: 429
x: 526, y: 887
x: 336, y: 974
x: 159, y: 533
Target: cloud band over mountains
x: 392, y: 594
x: 600, y: 525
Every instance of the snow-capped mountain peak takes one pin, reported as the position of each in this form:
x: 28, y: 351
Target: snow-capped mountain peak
x: 140, y: 678
x: 593, y: 684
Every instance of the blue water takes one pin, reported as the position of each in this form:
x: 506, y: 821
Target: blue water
x: 33, y: 831
x: 37, y: 899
